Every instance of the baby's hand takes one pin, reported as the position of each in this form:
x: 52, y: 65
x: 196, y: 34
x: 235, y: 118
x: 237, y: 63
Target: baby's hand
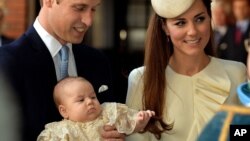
x: 145, y: 115
x: 142, y: 119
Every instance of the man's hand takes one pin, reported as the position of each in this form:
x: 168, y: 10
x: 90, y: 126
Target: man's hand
x: 109, y: 133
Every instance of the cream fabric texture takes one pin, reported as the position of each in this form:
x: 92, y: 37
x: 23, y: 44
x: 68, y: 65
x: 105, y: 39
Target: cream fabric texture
x: 190, y: 101
x: 112, y: 114
x: 171, y: 8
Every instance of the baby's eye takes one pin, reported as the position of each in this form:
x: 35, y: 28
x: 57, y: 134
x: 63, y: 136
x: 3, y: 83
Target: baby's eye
x: 93, y: 97
x: 81, y: 100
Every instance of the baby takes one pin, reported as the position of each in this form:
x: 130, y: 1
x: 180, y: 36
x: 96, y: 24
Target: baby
x: 83, y: 115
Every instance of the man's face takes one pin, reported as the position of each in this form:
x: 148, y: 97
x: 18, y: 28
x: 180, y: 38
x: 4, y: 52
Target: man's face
x: 219, y: 15
x: 70, y: 19
x: 241, y: 9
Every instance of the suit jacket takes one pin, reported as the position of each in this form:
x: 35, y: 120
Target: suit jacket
x: 6, y: 40
x: 30, y: 69
x: 229, y: 49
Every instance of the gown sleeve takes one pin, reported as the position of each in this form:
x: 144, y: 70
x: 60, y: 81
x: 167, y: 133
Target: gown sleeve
x: 121, y: 116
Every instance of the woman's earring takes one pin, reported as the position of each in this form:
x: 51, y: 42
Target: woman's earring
x: 168, y: 39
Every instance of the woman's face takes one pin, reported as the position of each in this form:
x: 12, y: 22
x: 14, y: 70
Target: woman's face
x: 190, y: 32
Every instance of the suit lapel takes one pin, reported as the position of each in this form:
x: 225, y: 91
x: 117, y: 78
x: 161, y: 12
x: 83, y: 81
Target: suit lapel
x: 40, y: 55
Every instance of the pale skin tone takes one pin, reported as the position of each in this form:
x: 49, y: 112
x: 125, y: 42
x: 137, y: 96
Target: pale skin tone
x: 77, y: 101
x: 219, y: 15
x: 241, y: 9
x: 189, y: 34
x: 68, y: 21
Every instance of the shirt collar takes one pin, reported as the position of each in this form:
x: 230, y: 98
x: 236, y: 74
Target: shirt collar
x: 242, y: 25
x: 51, y: 43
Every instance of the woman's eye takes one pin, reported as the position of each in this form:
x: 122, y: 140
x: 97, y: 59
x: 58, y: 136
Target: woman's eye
x: 200, y: 19
x: 180, y: 23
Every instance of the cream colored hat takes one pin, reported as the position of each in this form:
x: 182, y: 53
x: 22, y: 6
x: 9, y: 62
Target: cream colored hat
x: 171, y: 8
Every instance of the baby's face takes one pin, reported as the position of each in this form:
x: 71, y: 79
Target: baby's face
x: 81, y: 102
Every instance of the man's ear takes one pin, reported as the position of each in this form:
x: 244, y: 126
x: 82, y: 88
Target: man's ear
x: 63, y: 111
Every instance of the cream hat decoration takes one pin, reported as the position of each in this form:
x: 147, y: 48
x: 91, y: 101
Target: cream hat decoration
x: 171, y: 8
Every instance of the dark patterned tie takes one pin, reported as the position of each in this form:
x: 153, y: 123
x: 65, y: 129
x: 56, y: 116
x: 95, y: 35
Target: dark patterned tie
x: 238, y: 36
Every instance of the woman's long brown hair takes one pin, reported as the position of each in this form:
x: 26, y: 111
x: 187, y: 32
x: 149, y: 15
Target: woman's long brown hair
x: 158, y: 49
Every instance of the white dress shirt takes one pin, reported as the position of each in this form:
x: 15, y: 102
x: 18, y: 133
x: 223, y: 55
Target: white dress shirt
x: 243, y: 25
x: 54, y: 47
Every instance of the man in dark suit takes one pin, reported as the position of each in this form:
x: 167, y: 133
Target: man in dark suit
x: 220, y: 19
x: 230, y: 49
x: 232, y: 45
x: 5, y: 40
x: 31, y: 63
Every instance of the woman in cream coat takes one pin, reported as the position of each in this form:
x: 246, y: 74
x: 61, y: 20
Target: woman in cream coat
x: 181, y: 80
